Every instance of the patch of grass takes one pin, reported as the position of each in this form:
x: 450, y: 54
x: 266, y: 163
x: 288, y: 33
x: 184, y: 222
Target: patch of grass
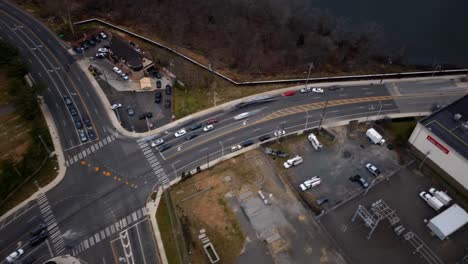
x: 401, y: 130
x: 163, y: 216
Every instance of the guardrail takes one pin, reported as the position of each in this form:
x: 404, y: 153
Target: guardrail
x: 295, y: 80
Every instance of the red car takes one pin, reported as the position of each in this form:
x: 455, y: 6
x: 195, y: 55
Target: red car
x: 211, y: 121
x: 289, y: 93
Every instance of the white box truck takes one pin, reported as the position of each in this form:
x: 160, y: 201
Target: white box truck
x: 431, y: 201
x: 296, y: 160
x: 441, y: 196
x: 314, y: 141
x: 375, y: 137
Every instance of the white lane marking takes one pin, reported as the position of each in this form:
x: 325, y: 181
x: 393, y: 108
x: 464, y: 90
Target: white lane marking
x: 202, y: 150
x: 141, y: 245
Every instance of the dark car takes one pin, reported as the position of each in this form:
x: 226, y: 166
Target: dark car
x: 78, y: 123
x: 84, y: 45
x: 167, y: 103
x: 158, y: 84
x: 36, y: 240
x: 91, y: 42
x: 91, y: 134
x: 72, y: 110
x: 77, y: 49
x: 334, y: 88
x: 164, y: 148
x: 67, y: 100
x: 96, y: 38
x: 275, y: 152
x: 37, y: 229
x: 359, y: 179
x: 191, y: 136
x: 264, y: 137
x: 247, y: 143
x: 157, y: 97
x: 146, y: 115
x: 321, y: 201
x: 168, y: 89
x: 86, y: 121
x: 158, y: 75
x: 196, y: 126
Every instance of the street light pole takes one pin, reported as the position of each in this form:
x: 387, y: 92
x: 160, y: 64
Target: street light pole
x: 222, y: 148
x: 323, y: 114
x: 307, y: 119
x: 380, y: 109
x: 424, y: 160
x: 311, y: 65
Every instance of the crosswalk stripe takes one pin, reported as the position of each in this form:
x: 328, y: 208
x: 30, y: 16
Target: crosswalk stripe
x: 112, y: 229
x: 108, y: 139
x: 158, y: 171
x: 104, y: 141
x: 66, y: 163
x: 88, y: 151
x: 139, y: 213
x: 80, y: 156
x: 112, y: 137
x: 92, y: 148
x: 134, y: 216
x: 107, y: 231
x: 100, y: 144
x: 144, y: 211
x: 84, y: 153
x: 75, y: 158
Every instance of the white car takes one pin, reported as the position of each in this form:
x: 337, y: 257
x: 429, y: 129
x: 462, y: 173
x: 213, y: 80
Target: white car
x: 208, y: 128
x: 312, y: 182
x: 125, y: 77
x: 103, y: 50
x: 296, y: 160
x: 306, y: 90
x: 372, y: 169
x: 241, y: 116
x: 117, y: 70
x: 235, y: 148
x: 103, y: 35
x: 14, y: 256
x: 116, y: 106
x: 180, y: 133
x: 317, y: 90
x: 279, y: 133
x: 156, y: 143
x: 100, y: 55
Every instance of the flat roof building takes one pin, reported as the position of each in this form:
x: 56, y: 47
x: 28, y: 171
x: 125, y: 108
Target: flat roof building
x: 442, y: 140
x: 126, y: 53
x: 449, y: 221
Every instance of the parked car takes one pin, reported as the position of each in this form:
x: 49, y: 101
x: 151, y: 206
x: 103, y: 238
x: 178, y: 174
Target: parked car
x: 312, y: 182
x: 180, y: 133
x: 84, y: 45
x: 83, y: 136
x: 157, y: 142
x: 157, y: 97
x: 96, y: 38
x: 167, y: 103
x: 78, y: 123
x: 91, y: 42
x: 306, y: 90
x: 117, y: 70
x: 86, y: 121
x: 191, y: 136
x: 296, y: 160
x: 103, y: 50
x: 208, y: 128
x: 77, y: 49
x: 145, y: 115
x: 289, y: 93
x: 264, y: 137
x: 67, y: 100
x: 36, y: 240
x: 164, y: 147
x: 168, y: 89
x: 158, y: 75
x: 130, y: 111
x: 116, y: 106
x: 72, y: 110
x: 357, y: 178
x: 102, y: 35
x: 275, y: 152
x: 158, y: 84
x: 15, y: 255
x: 317, y: 90
x: 125, y: 76
x: 91, y: 134
x: 372, y: 169
x: 100, y: 55
x: 196, y: 126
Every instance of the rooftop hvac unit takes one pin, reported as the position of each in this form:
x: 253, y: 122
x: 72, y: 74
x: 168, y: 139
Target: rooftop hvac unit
x: 465, y: 126
x: 457, y: 117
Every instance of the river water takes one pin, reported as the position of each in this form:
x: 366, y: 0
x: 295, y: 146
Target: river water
x: 431, y: 32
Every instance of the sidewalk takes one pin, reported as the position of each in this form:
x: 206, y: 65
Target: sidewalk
x: 152, y: 207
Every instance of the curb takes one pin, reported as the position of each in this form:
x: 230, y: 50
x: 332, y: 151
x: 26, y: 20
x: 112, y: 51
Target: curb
x: 60, y: 160
x: 152, y: 208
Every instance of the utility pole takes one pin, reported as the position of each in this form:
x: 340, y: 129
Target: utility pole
x: 380, y: 109
x: 69, y: 18
x: 44, y: 144
x: 422, y: 162
x: 311, y: 65
x: 322, y: 115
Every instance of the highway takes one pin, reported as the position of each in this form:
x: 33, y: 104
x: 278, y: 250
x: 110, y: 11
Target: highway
x: 97, y: 212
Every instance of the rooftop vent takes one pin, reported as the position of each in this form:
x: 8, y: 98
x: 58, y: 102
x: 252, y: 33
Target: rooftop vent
x: 457, y: 117
x: 465, y: 126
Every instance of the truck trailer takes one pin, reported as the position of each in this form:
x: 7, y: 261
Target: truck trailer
x: 375, y: 137
x: 314, y: 141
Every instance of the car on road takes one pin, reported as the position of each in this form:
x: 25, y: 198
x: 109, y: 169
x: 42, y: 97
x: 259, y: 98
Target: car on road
x: 145, y: 115
x: 247, y: 143
x: 279, y: 133
x: 167, y: 103
x: 296, y: 160
x: 15, y: 255
x: 100, y: 55
x: 157, y: 142
x: 208, y: 128
x: 117, y: 70
x: 212, y: 121
x: 289, y: 93
x: 130, y: 111
x: 157, y: 97
x: 180, y: 133
x: 67, y: 100
x: 116, y: 106
x: 164, y: 147
x: 317, y: 90
x: 235, y: 148
x: 36, y: 240
x: 72, y: 110
x: 191, y: 136
x: 37, y: 229
x: 103, y: 50
x: 359, y: 179
x: 312, y: 182
x: 103, y: 35
x: 196, y: 126
x: 372, y: 169
x: 91, y: 134
x: 83, y: 136
x: 306, y: 90
x: 78, y: 123
x: 242, y: 116
x: 333, y: 88
x: 168, y: 89
x: 158, y: 84
x: 264, y: 137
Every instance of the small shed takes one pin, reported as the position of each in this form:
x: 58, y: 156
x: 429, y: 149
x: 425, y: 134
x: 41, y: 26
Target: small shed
x: 449, y: 221
x: 145, y: 83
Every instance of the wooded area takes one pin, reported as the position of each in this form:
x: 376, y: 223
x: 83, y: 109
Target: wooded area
x: 262, y: 36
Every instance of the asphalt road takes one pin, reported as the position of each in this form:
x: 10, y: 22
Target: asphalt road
x: 97, y: 208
